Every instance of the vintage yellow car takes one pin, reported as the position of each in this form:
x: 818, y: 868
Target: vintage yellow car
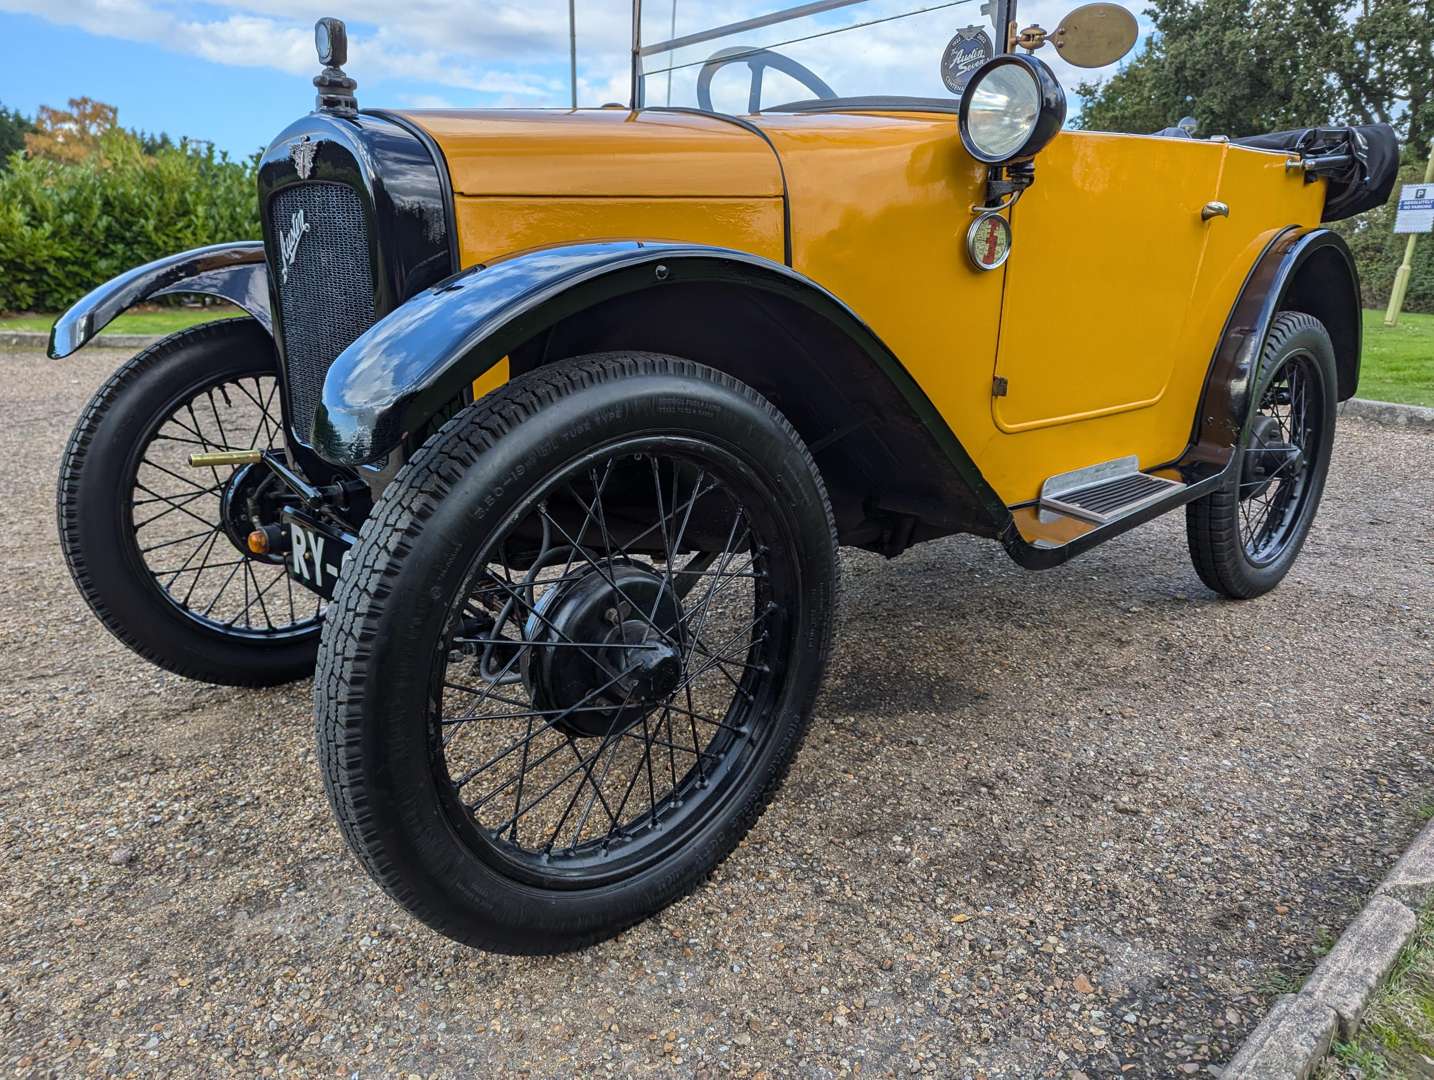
x: 544, y: 428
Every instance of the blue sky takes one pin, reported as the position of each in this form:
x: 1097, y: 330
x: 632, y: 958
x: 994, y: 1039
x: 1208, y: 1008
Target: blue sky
x: 154, y: 88
x: 237, y: 71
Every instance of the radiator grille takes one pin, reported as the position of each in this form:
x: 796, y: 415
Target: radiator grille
x: 326, y: 293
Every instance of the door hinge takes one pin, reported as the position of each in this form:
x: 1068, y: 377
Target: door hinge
x: 999, y: 386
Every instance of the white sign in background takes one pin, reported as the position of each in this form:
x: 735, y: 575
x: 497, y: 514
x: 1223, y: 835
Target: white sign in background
x: 1416, y: 209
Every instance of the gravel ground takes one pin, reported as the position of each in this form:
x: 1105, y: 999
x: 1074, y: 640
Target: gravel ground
x: 1078, y: 823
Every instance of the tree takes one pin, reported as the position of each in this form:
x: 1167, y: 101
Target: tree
x: 153, y: 144
x: 1388, y: 74
x: 14, y: 126
x: 71, y: 135
x: 1241, y: 68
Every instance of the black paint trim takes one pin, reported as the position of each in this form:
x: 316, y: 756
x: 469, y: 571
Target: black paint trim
x: 235, y: 272
x: 402, y: 188
x: 445, y: 179
x: 1225, y: 405
x: 868, y: 103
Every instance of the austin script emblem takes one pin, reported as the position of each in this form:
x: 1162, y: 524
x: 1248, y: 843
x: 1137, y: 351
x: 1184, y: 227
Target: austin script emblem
x: 302, y: 152
x: 289, y: 244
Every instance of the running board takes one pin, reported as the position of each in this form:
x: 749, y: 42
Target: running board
x: 1043, y: 533
x: 1103, y: 493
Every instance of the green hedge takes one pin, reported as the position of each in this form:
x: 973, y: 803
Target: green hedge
x: 1378, y: 252
x: 65, y: 228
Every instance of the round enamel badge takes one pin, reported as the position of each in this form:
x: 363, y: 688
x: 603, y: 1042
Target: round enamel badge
x: 988, y: 241
x: 968, y: 50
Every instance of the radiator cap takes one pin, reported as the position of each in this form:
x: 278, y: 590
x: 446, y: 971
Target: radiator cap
x: 336, y: 90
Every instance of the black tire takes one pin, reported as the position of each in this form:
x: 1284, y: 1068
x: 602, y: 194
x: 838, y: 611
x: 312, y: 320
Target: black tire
x: 1245, y: 537
x: 111, y: 491
x: 384, y: 681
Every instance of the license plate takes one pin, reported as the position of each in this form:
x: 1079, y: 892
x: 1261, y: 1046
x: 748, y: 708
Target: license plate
x: 316, y: 552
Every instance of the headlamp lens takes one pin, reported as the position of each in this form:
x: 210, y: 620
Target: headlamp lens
x: 1005, y: 106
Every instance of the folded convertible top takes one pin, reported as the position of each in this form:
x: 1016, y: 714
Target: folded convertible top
x: 1361, y: 163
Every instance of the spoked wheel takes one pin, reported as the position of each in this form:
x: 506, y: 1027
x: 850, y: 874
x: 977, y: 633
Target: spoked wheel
x: 192, y: 526
x: 635, y: 691
x: 159, y: 548
x: 1244, y: 540
x: 576, y: 650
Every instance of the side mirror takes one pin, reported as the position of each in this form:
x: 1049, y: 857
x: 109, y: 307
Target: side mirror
x: 1094, y: 35
x: 1091, y: 36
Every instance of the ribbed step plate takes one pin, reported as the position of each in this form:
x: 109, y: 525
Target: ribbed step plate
x: 1104, y: 492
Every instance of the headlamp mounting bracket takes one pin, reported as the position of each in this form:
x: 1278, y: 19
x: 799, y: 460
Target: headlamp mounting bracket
x: 1005, y: 184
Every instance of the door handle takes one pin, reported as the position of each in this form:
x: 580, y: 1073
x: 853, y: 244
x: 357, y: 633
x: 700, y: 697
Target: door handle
x: 1214, y: 210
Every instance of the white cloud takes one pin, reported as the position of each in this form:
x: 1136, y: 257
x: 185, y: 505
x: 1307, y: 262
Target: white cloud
x: 427, y: 101
x: 501, y: 49
x: 501, y: 52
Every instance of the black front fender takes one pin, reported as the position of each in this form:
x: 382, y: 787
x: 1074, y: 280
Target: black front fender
x: 411, y: 366
x: 412, y: 363
x: 235, y: 272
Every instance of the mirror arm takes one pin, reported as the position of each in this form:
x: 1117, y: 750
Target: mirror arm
x: 1032, y: 38
x: 1003, y: 21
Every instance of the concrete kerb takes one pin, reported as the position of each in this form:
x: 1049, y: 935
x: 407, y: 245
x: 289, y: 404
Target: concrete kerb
x: 1295, y: 1035
x: 29, y: 339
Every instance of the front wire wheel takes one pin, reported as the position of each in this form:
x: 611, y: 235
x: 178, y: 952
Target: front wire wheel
x: 191, y: 526
x: 1244, y: 539
x: 600, y: 600
x: 614, y: 690
x: 158, y: 548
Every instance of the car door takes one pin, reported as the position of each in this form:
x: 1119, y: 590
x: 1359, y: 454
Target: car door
x: 1106, y: 252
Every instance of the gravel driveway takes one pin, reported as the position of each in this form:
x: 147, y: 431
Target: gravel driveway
x: 1077, y: 823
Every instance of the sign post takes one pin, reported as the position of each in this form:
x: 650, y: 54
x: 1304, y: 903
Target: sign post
x: 1415, y: 216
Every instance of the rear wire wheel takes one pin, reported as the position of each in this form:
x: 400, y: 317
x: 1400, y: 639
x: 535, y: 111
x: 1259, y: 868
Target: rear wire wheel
x: 576, y: 649
x: 1244, y: 539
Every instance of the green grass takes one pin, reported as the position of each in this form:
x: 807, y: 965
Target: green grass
x: 1275, y: 983
x: 158, y: 320
x: 1398, y: 360
x: 1396, y: 1036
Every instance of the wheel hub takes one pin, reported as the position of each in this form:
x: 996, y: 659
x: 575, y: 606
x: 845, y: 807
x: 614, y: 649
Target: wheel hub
x: 250, y: 500
x: 612, y: 654
x: 1267, y: 456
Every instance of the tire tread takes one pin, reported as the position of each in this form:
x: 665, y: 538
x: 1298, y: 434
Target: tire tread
x: 345, y: 665
x: 1212, y: 523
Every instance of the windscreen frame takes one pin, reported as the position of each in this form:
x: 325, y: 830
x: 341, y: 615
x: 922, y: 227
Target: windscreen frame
x: 1004, y: 11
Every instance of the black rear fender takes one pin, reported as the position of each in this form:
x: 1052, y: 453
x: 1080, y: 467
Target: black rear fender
x: 1308, y: 270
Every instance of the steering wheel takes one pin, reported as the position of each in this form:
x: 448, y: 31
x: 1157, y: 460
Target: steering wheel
x: 758, y: 60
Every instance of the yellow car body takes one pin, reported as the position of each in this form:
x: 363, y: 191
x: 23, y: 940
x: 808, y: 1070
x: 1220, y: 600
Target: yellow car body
x: 820, y: 254
x: 1103, y: 321
x: 575, y: 406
